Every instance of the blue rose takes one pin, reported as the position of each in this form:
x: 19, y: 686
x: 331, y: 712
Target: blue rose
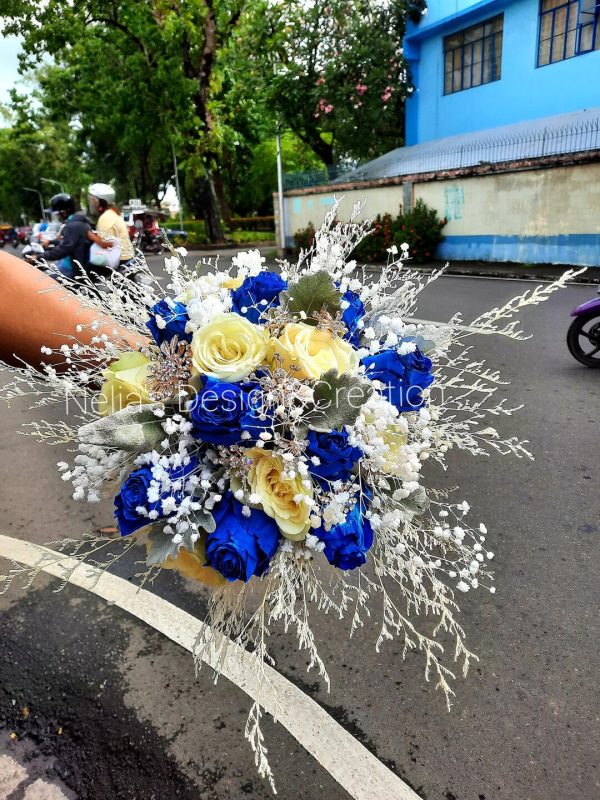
x: 241, y: 547
x: 347, y: 545
x: 352, y: 316
x: 134, y: 493
x: 266, y: 287
x: 175, y: 317
x: 337, y: 456
x: 221, y: 412
x: 403, y: 378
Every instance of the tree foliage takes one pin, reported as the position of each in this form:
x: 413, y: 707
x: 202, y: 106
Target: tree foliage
x: 124, y: 83
x: 334, y: 72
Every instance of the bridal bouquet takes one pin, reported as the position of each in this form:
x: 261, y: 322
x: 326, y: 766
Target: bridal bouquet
x: 270, y: 435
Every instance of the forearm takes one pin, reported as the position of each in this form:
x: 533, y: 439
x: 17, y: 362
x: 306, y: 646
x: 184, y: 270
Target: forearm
x: 36, y: 311
x: 105, y: 243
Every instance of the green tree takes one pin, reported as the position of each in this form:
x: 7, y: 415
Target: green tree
x: 138, y: 76
x: 33, y: 146
x: 261, y: 176
x: 334, y: 72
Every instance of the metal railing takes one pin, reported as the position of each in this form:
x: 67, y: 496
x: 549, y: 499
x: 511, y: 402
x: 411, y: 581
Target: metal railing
x: 548, y: 141
x: 315, y: 177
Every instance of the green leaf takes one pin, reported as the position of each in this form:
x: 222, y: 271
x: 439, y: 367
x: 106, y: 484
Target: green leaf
x: 134, y: 428
x: 310, y: 294
x: 338, y: 400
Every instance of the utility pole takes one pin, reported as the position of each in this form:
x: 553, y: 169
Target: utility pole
x: 39, y: 194
x: 281, y: 243
x: 177, y: 189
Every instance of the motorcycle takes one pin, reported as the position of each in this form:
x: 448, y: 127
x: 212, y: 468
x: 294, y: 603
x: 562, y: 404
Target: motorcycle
x: 148, y: 241
x: 583, y: 337
x: 97, y: 276
x: 8, y: 235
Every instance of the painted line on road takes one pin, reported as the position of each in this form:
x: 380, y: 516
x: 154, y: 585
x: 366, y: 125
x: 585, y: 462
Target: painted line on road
x: 517, y: 280
x: 467, y: 328
x: 359, y: 772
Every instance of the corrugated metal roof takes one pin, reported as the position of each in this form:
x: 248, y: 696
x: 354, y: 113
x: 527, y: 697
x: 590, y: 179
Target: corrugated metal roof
x: 561, y: 134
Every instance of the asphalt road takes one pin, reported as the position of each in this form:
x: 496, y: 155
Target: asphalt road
x: 105, y: 707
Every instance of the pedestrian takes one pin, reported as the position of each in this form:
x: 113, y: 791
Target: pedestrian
x: 110, y: 224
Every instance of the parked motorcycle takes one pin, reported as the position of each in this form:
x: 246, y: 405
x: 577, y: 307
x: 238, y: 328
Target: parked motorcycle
x: 583, y: 338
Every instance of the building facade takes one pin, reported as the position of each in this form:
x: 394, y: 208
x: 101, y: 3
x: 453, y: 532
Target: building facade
x: 502, y: 134
x: 481, y: 64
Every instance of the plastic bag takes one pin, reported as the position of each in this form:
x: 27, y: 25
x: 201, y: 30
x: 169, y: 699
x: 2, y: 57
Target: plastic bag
x: 101, y: 257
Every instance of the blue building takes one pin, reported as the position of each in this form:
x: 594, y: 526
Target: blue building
x: 502, y: 134
x: 481, y: 64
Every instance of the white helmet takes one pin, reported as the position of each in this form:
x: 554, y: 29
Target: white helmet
x: 102, y: 191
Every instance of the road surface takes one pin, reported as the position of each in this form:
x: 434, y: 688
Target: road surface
x: 104, y: 707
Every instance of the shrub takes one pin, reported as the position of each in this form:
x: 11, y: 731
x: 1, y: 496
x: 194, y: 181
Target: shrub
x: 421, y: 229
x: 264, y: 224
x: 303, y: 239
x: 374, y: 248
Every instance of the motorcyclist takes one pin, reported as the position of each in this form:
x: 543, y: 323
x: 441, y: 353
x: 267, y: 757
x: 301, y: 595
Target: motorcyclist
x: 74, y: 243
x: 110, y: 225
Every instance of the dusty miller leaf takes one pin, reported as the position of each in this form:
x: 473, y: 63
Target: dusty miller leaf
x: 133, y: 428
x: 162, y: 545
x: 416, y: 503
x: 338, y: 400
x: 204, y: 520
x: 310, y: 293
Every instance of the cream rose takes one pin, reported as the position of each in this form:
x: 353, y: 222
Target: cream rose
x: 125, y: 383
x: 232, y: 283
x: 229, y: 347
x: 280, y: 495
x: 312, y: 352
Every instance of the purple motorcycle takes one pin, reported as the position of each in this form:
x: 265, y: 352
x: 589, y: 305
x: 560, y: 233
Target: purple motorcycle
x: 583, y: 337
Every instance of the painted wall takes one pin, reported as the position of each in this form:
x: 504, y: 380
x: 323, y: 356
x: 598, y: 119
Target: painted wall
x: 543, y: 216
x: 524, y: 92
x: 549, y: 216
x: 305, y: 209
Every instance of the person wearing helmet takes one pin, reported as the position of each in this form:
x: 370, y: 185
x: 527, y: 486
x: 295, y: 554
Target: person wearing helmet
x: 110, y: 223
x: 74, y: 243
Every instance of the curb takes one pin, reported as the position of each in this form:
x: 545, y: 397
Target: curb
x: 348, y: 761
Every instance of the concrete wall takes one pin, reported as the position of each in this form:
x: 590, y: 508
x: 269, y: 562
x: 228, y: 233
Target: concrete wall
x: 311, y: 208
x: 529, y: 216
x: 524, y: 91
x: 541, y: 216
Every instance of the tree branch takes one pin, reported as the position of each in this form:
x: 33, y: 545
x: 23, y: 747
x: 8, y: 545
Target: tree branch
x: 112, y: 22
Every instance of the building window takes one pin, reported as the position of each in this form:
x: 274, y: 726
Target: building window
x: 568, y: 28
x: 473, y: 56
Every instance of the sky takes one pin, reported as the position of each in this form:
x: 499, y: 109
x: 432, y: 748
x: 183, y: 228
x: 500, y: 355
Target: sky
x: 9, y: 77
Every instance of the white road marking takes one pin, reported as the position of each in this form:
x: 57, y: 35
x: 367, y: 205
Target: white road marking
x: 359, y: 772
x: 533, y: 279
x: 416, y: 321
